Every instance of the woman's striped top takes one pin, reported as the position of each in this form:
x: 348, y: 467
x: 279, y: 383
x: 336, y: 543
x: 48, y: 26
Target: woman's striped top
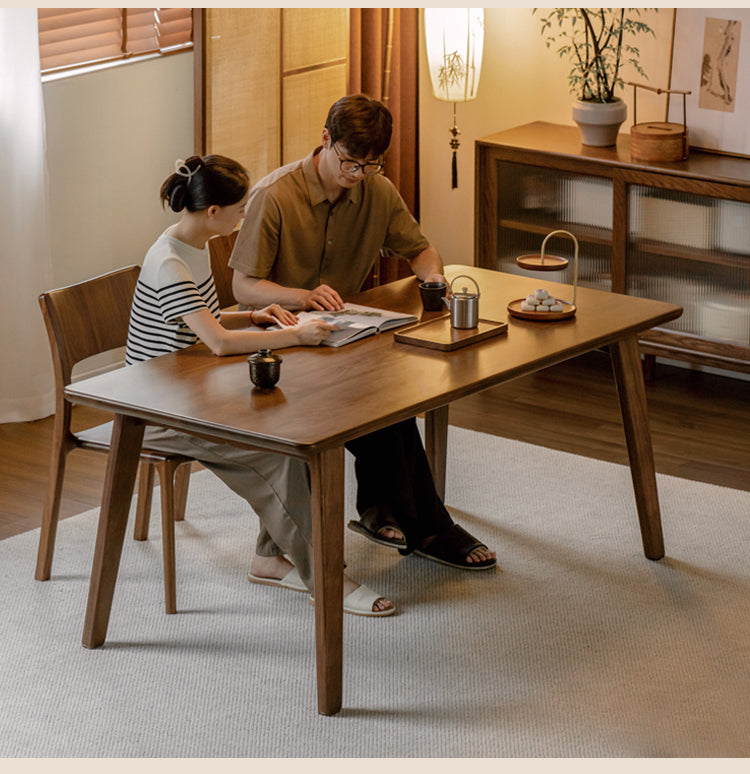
x: 175, y: 280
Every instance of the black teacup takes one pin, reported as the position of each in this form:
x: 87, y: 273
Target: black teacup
x: 432, y: 295
x: 265, y: 369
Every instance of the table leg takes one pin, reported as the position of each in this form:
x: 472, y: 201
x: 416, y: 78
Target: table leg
x: 436, y: 444
x: 327, y: 481
x: 626, y: 363
x: 122, y: 464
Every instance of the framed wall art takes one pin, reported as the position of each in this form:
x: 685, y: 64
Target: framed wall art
x: 711, y: 58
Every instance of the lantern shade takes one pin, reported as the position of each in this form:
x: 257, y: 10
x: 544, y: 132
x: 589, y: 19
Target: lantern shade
x: 454, y: 38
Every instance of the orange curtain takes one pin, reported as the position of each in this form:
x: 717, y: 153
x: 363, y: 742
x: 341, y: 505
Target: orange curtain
x: 383, y: 55
x: 383, y: 64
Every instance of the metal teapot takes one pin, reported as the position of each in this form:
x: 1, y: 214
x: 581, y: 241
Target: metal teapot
x: 463, y: 306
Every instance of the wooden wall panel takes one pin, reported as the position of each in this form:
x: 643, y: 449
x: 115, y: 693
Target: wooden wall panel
x: 315, y: 50
x: 265, y: 80
x: 314, y: 36
x: 307, y: 96
x: 242, y: 83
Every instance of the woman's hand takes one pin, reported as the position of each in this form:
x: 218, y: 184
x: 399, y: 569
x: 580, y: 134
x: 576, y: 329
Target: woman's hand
x: 313, y: 332
x: 272, y: 313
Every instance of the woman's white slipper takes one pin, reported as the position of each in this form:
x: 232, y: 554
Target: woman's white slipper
x: 360, y: 602
x: 291, y: 581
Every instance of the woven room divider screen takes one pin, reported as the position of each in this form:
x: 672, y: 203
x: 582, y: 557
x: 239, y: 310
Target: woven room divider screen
x: 265, y: 78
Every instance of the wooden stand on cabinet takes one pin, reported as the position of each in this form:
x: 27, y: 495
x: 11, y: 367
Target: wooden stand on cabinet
x: 677, y: 232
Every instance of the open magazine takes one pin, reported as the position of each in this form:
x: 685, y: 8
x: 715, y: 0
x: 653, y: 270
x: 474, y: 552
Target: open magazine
x: 356, y: 322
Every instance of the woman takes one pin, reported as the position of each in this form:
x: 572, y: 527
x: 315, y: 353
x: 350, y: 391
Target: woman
x: 174, y: 306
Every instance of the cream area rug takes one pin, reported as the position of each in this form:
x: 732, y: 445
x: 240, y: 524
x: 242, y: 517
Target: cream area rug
x: 579, y: 647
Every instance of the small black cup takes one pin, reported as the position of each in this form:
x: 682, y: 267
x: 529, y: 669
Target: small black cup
x: 265, y: 369
x: 432, y: 295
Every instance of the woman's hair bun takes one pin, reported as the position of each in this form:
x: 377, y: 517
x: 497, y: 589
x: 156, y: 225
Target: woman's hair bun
x: 177, y: 196
x: 176, y: 188
x: 198, y: 182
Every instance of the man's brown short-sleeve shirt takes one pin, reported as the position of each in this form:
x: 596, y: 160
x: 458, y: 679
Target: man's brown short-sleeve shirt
x: 294, y: 236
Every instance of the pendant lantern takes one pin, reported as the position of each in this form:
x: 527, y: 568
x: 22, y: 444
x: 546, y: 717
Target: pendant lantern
x: 454, y: 39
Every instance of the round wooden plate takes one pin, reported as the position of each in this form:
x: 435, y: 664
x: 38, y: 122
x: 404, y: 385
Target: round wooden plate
x: 534, y: 262
x: 514, y: 309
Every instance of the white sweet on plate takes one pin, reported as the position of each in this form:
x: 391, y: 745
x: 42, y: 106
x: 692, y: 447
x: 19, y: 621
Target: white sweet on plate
x: 541, y: 300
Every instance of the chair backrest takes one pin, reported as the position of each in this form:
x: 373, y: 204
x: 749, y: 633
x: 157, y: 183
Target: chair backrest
x: 220, y: 250
x: 88, y: 318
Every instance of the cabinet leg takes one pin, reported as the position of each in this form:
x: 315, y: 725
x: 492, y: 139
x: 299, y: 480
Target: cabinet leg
x: 649, y: 367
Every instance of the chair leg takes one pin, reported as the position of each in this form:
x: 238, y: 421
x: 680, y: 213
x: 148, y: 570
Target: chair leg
x: 181, y: 484
x: 143, y: 508
x: 51, y: 514
x: 167, y: 475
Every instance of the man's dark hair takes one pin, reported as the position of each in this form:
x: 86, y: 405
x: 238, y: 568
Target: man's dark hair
x: 361, y: 124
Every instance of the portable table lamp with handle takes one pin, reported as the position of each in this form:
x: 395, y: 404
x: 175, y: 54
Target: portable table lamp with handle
x: 538, y: 306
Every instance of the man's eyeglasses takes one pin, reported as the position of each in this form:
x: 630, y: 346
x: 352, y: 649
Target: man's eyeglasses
x: 350, y: 166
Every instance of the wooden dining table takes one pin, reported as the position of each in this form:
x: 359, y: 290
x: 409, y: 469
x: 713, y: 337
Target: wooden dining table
x: 327, y: 396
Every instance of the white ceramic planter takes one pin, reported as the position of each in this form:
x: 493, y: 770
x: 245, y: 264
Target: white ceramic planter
x: 599, y: 122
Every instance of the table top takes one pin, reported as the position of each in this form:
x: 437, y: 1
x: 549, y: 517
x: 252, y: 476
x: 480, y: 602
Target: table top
x: 327, y: 396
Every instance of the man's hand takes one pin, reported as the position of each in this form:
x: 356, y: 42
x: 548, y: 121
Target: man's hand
x: 435, y: 277
x: 428, y: 266
x: 323, y: 298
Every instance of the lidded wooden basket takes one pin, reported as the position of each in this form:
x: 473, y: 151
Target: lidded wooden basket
x: 658, y: 140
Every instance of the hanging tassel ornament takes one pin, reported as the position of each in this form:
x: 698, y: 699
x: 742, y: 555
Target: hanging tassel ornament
x: 455, y: 142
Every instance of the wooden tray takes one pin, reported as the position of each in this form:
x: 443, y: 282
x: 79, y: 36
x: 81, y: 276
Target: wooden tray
x: 514, y: 309
x: 438, y: 334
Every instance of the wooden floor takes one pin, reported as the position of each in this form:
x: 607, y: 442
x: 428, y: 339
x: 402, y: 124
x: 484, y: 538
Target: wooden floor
x: 700, y: 425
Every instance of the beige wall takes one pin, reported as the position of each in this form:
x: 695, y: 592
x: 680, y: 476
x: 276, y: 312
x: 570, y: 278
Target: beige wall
x: 112, y: 138
x: 521, y: 81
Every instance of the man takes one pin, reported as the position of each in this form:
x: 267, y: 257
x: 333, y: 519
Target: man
x: 312, y: 232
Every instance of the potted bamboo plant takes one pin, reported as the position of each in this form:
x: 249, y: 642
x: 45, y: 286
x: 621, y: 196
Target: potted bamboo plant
x: 597, y: 42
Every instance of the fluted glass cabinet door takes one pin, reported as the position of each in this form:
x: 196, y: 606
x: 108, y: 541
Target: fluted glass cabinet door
x: 693, y: 251
x: 533, y: 201
x: 676, y: 232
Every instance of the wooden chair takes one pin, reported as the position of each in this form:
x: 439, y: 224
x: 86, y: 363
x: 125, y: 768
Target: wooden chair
x: 220, y: 250
x: 82, y: 320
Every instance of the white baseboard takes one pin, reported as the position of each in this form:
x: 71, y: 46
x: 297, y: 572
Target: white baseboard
x: 705, y: 369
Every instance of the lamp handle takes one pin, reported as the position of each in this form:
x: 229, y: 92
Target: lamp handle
x: 575, y: 260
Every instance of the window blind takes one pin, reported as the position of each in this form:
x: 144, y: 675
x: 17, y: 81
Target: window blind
x: 70, y: 37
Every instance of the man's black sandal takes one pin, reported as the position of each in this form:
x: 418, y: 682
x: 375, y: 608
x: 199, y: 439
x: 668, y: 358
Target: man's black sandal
x: 452, y: 546
x: 372, y: 523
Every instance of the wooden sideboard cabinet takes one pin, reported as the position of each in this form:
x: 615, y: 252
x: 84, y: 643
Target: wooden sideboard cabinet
x: 677, y: 232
